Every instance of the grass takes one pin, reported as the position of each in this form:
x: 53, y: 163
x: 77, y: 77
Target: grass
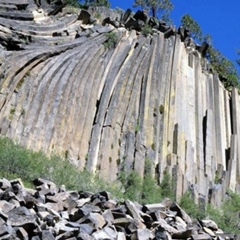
x: 19, y: 162
x: 227, y: 217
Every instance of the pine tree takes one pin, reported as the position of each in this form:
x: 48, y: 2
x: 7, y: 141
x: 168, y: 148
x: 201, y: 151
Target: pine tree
x: 98, y: 3
x: 161, y: 8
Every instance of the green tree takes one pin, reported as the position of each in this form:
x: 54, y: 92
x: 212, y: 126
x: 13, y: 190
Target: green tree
x: 98, y: 3
x: 190, y: 24
x: 161, y: 8
x: 74, y: 3
x: 225, y: 68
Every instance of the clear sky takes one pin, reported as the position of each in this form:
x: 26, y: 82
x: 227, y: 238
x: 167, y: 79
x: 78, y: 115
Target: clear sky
x: 219, y: 18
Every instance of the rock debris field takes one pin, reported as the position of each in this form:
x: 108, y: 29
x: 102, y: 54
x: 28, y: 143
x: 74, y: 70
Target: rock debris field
x: 112, y: 89
x: 49, y: 212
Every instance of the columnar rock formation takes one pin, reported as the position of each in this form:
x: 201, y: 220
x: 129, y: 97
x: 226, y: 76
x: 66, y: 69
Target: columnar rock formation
x: 148, y: 99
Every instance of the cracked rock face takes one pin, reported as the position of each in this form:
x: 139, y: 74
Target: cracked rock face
x: 94, y: 216
x: 87, y: 85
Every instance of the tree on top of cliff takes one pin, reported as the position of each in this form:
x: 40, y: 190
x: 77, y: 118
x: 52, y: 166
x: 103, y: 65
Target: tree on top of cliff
x: 224, y: 68
x: 96, y: 3
x: 161, y: 8
x: 190, y: 24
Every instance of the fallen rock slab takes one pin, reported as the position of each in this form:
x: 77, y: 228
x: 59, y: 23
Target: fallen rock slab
x: 56, y: 213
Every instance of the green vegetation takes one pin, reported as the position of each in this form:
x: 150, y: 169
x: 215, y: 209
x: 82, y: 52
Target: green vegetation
x: 132, y: 185
x: 18, y: 162
x: 225, y: 68
x: 147, y: 30
x: 217, y: 179
x: 87, y: 3
x: 167, y: 187
x: 161, y: 109
x: 74, y: 3
x: 227, y: 217
x: 161, y: 8
x: 137, y: 128
x: 112, y: 39
x: 12, y: 111
x: 97, y: 3
x: 192, y: 209
x: 97, y: 15
x: 146, y: 190
x: 194, y: 28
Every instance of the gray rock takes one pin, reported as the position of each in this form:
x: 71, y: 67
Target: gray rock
x: 182, y: 234
x: 201, y: 236
x: 3, y: 216
x: 6, y: 206
x: 47, y: 235
x: 108, y: 20
x: 126, y: 16
x: 154, y: 207
x: 183, y: 33
x: 4, y: 184
x: 161, y: 234
x: 86, y: 228
x: 140, y: 15
x: 85, y: 17
x: 143, y: 234
x: 181, y: 213
x: 134, y: 24
x: 209, y: 224
x: 153, y: 22
x: 22, y: 233
x: 20, y: 217
x: 4, y: 230
x: 209, y: 232
x: 85, y: 236
x: 35, y: 238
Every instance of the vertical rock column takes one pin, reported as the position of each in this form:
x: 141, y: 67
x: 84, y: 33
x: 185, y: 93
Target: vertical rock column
x: 235, y: 142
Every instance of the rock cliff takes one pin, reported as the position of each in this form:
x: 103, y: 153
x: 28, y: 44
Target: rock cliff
x: 147, y: 99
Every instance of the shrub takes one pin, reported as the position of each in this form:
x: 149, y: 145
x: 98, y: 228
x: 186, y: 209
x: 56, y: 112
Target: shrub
x: 99, y: 3
x: 18, y: 162
x: 167, y: 187
x: 132, y: 185
x: 192, y: 209
x: 151, y: 191
x: 146, y: 190
x: 225, y: 68
x: 190, y: 24
x: 74, y: 3
x: 112, y: 39
x: 147, y: 30
x: 97, y: 15
x: 228, y: 217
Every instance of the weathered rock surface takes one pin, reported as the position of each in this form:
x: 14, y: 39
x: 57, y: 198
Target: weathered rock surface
x: 96, y: 218
x: 63, y: 91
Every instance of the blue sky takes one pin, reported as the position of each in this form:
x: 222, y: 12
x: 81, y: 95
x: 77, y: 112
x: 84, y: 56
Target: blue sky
x: 219, y: 18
